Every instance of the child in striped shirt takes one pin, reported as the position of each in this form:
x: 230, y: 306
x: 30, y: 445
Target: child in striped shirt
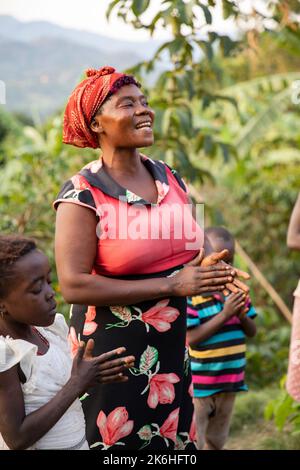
x: 216, y: 335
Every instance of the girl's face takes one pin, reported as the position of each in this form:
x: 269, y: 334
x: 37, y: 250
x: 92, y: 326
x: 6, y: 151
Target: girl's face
x: 125, y: 120
x: 31, y: 298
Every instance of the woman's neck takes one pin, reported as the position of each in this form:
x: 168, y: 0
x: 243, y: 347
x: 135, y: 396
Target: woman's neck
x: 122, y: 161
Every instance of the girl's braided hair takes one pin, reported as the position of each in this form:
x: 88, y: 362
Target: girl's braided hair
x: 12, y: 248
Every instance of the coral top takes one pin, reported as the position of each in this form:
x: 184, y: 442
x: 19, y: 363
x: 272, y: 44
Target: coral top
x: 135, y: 236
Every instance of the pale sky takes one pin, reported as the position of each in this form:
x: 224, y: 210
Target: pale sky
x: 89, y: 15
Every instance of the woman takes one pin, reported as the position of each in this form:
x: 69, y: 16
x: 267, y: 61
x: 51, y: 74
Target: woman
x: 293, y: 377
x: 120, y: 262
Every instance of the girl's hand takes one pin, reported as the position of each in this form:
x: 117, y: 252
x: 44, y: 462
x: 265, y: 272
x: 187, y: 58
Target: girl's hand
x: 194, y: 279
x: 234, y: 304
x: 106, y: 368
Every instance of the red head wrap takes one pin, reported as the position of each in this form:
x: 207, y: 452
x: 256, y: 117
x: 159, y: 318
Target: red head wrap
x: 83, y: 103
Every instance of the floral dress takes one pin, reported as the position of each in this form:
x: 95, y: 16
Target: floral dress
x: 153, y: 409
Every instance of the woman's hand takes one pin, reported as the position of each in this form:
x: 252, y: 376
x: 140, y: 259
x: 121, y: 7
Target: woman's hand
x: 194, y: 279
x: 106, y: 368
x: 234, y: 286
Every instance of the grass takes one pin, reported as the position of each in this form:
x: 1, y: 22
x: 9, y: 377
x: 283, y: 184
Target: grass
x: 250, y: 431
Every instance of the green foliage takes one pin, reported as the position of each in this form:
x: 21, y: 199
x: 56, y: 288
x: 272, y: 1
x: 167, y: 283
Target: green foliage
x: 32, y: 173
x: 249, y: 408
x: 267, y: 352
x: 249, y: 430
x: 184, y: 79
x: 284, y: 410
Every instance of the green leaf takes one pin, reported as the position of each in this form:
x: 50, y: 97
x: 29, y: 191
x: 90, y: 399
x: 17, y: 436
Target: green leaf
x: 111, y: 6
x: 148, y: 359
x: 124, y: 313
x: 166, y: 121
x: 139, y: 6
x: 207, y: 14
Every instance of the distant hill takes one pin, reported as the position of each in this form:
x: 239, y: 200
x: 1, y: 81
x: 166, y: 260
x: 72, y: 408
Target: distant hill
x: 11, y: 28
x: 41, y: 62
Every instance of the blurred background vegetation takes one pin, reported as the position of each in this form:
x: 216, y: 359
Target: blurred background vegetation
x: 228, y: 119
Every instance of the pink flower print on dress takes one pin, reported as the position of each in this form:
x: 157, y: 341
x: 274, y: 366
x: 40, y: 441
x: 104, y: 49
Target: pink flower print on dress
x: 169, y: 429
x: 114, y: 427
x: 162, y: 389
x: 95, y: 166
x: 162, y: 190
x: 160, y: 316
x: 90, y: 326
x: 79, y: 182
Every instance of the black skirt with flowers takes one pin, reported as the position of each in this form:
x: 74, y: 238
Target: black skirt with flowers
x: 154, y: 408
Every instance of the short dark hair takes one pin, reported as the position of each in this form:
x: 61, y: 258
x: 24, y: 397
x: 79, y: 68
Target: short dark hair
x: 220, y: 232
x: 12, y: 248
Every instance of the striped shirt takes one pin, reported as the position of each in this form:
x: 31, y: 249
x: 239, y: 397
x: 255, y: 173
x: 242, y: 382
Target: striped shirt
x: 218, y: 363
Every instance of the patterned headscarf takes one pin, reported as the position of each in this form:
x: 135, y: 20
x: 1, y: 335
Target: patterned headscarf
x: 83, y: 103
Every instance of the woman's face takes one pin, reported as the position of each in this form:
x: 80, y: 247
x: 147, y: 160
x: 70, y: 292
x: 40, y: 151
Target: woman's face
x: 125, y: 120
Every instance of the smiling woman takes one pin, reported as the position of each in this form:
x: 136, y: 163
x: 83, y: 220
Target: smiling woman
x: 121, y: 264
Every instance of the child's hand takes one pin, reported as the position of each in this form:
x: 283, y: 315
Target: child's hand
x: 234, y: 304
x: 106, y: 368
x: 243, y: 312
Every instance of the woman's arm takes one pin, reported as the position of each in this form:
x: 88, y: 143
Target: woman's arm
x: 75, y: 251
x: 293, y: 235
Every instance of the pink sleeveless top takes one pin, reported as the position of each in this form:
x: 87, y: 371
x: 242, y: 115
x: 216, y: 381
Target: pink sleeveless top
x: 135, y: 236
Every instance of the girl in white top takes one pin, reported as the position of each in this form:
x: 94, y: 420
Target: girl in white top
x: 39, y: 384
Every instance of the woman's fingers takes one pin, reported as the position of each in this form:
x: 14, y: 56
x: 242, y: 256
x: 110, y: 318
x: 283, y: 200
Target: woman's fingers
x: 224, y: 268
x: 197, y: 261
x: 232, y: 287
x: 212, y: 280
x: 241, y: 285
x: 214, y: 258
x: 242, y: 274
x: 210, y: 289
x: 214, y: 274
